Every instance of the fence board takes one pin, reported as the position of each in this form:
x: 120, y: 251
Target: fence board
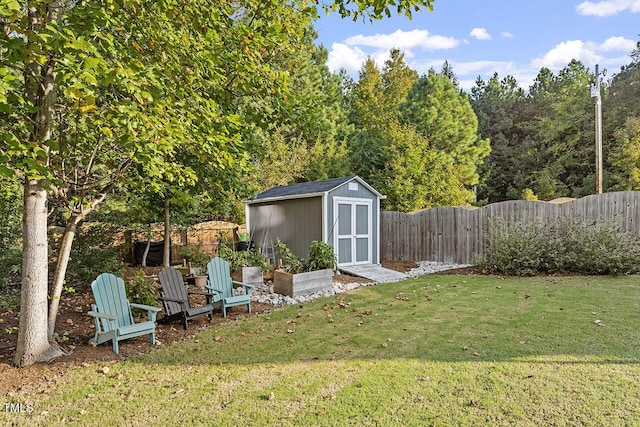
x: 447, y: 234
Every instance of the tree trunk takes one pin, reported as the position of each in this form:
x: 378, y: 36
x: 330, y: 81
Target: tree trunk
x: 33, y: 341
x: 146, y: 249
x: 64, y: 253
x: 166, y: 255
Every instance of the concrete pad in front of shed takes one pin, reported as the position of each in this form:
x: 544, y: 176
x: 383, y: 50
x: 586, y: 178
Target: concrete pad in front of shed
x: 376, y: 273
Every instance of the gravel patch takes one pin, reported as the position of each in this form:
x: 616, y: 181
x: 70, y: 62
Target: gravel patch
x: 430, y: 267
x: 264, y: 293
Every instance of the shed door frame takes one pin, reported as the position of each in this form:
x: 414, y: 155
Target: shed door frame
x: 353, y: 236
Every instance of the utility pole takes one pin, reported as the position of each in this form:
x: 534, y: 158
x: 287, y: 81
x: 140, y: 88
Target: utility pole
x: 595, y: 93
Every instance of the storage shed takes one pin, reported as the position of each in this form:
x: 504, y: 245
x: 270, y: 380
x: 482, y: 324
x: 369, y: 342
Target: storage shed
x: 343, y: 212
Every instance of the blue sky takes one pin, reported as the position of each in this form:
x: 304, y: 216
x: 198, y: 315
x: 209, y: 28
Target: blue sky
x: 480, y: 37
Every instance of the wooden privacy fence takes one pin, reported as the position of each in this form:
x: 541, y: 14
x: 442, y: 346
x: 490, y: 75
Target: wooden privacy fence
x: 457, y: 235
x: 206, y: 235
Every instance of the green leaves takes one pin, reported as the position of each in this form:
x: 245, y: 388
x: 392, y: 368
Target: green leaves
x: 9, y: 8
x: 167, y: 92
x: 416, y: 139
x: 376, y: 9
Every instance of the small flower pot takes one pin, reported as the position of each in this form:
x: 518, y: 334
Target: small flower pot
x: 201, y: 281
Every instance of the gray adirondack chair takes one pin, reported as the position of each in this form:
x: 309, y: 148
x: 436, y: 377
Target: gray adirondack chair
x: 175, y: 298
x: 112, y: 313
x: 220, y: 284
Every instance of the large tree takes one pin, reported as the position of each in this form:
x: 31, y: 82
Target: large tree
x: 398, y: 80
x: 627, y: 155
x: 621, y: 100
x: 374, y: 106
x: 94, y: 93
x: 568, y: 131
x: 104, y: 98
x: 495, y: 103
x: 620, y: 108
x: 444, y: 116
x: 304, y: 138
x: 366, y: 109
x: 416, y: 138
x: 542, y: 141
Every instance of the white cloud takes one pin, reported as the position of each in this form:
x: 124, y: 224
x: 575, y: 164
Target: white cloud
x: 480, y: 34
x: 617, y: 44
x: 352, y: 52
x: 343, y: 56
x: 404, y: 40
x: 483, y: 67
x: 607, y: 7
x: 507, y: 35
x: 589, y: 53
x: 562, y: 54
x: 352, y: 58
x: 486, y: 69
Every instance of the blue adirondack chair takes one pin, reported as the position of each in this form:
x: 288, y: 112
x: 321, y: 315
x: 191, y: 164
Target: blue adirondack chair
x: 220, y: 284
x: 112, y: 313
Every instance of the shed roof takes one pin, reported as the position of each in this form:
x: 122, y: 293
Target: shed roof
x: 308, y: 189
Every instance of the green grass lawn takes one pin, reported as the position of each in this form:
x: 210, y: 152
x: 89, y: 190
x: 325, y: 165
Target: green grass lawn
x: 438, y: 350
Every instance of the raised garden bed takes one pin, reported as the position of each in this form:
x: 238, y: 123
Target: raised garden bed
x: 295, y: 285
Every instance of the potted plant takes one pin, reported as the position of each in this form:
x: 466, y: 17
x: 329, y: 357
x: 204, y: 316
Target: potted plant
x: 295, y: 276
x: 196, y: 259
x: 246, y: 266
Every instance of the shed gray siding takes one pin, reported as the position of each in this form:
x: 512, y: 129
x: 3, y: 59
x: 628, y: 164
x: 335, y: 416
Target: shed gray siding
x: 301, y: 213
x: 297, y: 222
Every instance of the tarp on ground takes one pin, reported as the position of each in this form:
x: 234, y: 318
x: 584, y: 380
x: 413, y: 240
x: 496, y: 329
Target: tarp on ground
x: 154, y: 257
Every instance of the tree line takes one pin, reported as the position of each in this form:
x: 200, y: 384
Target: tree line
x: 543, y: 139
x: 424, y: 142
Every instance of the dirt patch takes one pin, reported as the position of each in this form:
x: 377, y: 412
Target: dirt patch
x: 75, y: 328
x: 401, y: 266
x: 464, y: 271
x: 347, y: 278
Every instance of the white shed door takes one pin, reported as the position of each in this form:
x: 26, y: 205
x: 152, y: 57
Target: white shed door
x: 353, y: 236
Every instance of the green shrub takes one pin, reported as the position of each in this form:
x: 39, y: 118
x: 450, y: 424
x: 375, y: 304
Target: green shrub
x: 196, y: 256
x: 10, y: 266
x: 560, y: 247
x: 513, y: 249
x: 10, y: 230
x: 141, y: 290
x: 321, y: 256
x: 9, y: 299
x: 252, y: 257
x: 94, y: 251
x: 289, y: 261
